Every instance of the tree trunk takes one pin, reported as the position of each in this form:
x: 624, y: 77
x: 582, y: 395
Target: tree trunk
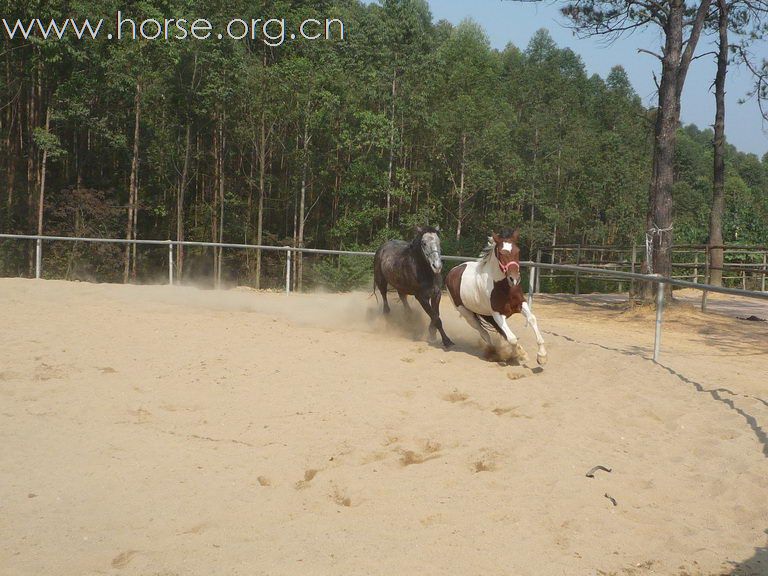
x: 262, y: 176
x: 460, y: 214
x: 718, y: 188
x: 41, y: 198
x: 533, y: 185
x: 133, y: 186
x: 11, y: 171
x: 391, y: 146
x: 32, y: 160
x: 302, y: 202
x: 180, y: 194
x: 674, y: 69
x: 221, y: 200
x: 214, y: 190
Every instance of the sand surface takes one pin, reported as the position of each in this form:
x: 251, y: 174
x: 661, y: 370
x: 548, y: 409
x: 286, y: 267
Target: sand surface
x: 161, y: 431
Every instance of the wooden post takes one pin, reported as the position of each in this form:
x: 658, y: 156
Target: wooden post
x: 659, y: 321
x: 706, y: 281
x: 634, y: 265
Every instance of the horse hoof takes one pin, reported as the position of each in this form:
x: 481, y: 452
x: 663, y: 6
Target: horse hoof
x: 448, y: 344
x: 541, y: 359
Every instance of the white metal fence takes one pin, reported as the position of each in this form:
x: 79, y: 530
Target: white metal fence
x: 534, y: 267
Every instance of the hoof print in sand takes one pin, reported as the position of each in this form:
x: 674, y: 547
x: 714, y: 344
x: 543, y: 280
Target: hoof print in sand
x: 308, y: 476
x: 122, y: 560
x: 519, y: 372
x: 340, y: 498
x: 485, y: 462
x: 456, y: 396
x: 481, y: 466
x: 430, y: 452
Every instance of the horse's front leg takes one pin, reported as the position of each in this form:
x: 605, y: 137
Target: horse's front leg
x: 501, y: 322
x: 541, y: 354
x: 435, y: 324
x: 437, y: 295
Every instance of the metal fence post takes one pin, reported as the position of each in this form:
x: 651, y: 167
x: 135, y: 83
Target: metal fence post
x: 578, y: 263
x: 659, y: 320
x: 765, y: 262
x: 288, y: 272
x: 696, y: 267
x: 706, y: 281
x: 537, y: 287
x: 39, y: 258
x: 170, y: 263
x: 531, y: 285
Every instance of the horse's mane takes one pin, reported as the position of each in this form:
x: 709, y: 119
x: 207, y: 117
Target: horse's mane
x: 486, y: 252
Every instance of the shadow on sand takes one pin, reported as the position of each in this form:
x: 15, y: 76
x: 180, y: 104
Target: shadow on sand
x: 722, y: 395
x: 755, y: 565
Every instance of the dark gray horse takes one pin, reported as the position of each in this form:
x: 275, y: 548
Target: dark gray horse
x: 413, y: 268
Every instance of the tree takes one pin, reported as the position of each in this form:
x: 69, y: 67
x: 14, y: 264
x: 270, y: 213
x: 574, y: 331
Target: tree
x: 674, y: 18
x: 744, y: 18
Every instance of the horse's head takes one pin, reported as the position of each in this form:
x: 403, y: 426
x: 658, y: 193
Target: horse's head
x: 428, y: 241
x: 508, y: 254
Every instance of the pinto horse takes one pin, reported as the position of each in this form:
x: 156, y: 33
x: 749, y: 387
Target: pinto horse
x: 413, y: 268
x: 488, y: 291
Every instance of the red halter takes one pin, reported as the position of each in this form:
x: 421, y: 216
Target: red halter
x: 505, y: 267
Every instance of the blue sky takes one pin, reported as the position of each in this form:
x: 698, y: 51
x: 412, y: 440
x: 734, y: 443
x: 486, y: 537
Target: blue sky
x: 509, y: 21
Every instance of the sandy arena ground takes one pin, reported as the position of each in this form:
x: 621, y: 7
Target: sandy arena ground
x: 160, y: 431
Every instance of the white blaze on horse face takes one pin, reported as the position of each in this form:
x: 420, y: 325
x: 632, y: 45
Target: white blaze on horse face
x: 430, y: 246
x: 514, y: 277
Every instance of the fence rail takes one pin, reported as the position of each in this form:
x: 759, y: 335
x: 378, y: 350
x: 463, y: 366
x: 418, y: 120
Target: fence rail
x: 744, y: 265
x: 533, y: 276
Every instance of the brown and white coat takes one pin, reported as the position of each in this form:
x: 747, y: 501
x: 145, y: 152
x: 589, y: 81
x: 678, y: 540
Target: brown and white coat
x: 488, y: 291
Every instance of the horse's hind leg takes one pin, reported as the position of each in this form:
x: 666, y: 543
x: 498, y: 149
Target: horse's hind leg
x: 404, y: 300
x: 473, y: 321
x: 541, y: 355
x: 381, y: 284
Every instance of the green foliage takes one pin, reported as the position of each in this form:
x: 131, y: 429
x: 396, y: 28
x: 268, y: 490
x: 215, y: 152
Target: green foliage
x: 340, y: 273
x: 424, y: 114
